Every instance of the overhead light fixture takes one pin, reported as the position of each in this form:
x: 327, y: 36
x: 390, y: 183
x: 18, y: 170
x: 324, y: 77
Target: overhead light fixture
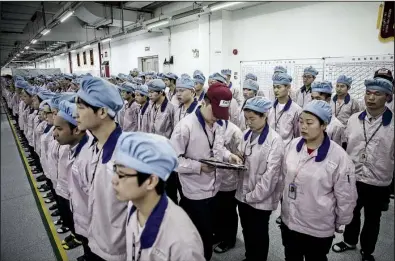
x: 156, y: 24
x: 62, y: 54
x: 45, y: 31
x: 72, y: 51
x: 17, y: 54
x: 106, y: 40
x: 223, y: 5
x: 34, y: 41
x: 22, y: 51
x: 86, y: 46
x: 27, y: 47
x: 66, y: 16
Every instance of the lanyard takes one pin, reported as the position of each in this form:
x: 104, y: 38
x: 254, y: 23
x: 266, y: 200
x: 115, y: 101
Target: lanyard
x: 97, y: 163
x: 340, y: 108
x: 299, y: 168
x: 134, y: 251
x: 210, y: 144
x: 275, y: 117
x: 371, y: 137
x: 179, y: 116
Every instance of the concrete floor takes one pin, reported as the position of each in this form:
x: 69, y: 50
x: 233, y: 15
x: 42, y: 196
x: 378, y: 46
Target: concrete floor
x: 24, y: 236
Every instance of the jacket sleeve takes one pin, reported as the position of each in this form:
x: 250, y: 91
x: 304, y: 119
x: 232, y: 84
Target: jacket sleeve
x: 345, y: 191
x: 268, y: 182
x: 338, y: 135
x: 355, y: 107
x: 179, y: 140
x: 296, y: 131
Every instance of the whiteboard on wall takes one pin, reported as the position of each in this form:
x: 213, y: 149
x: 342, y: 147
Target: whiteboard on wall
x: 357, y: 67
x: 264, y: 71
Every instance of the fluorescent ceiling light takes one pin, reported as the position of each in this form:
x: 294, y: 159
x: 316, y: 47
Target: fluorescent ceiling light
x: 27, y: 47
x: 156, y: 24
x: 62, y: 54
x: 223, y: 5
x: 34, y: 41
x: 86, y: 46
x: 66, y: 16
x: 22, y: 51
x: 106, y: 40
x: 72, y: 51
x: 17, y: 54
x: 45, y: 31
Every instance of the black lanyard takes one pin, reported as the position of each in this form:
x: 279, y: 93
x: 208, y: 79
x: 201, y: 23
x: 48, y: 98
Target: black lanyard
x: 179, y: 116
x: 275, y: 117
x: 134, y: 251
x: 340, y: 108
x: 210, y: 144
x: 371, y: 137
x: 97, y: 163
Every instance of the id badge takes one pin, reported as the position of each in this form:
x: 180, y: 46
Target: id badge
x: 362, y: 156
x: 211, y: 153
x: 292, y: 191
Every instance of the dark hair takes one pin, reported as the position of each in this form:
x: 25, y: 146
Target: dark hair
x: 260, y: 114
x: 206, y: 99
x: 326, y: 95
x: 319, y: 119
x: 72, y: 127
x: 39, y: 99
x: 81, y: 101
x: 160, y: 187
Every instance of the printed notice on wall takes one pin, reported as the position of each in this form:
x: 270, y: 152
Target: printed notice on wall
x: 218, y: 52
x: 387, y: 21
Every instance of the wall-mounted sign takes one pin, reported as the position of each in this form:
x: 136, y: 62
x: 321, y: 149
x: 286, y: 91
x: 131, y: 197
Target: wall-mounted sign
x: 217, y: 52
x: 147, y: 48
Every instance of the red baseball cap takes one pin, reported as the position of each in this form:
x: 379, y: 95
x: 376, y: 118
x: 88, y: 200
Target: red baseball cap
x: 384, y: 73
x: 220, y: 97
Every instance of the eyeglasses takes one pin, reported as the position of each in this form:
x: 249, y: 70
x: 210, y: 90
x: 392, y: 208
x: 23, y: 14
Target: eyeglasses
x: 121, y: 176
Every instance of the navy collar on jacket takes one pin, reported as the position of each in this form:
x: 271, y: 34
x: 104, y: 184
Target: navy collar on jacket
x: 287, y: 105
x: 262, y: 136
x: 152, y: 226
x: 304, y: 89
x: 322, y: 150
x: 386, y: 117
x: 347, y: 98
x: 80, y: 145
x: 191, y: 107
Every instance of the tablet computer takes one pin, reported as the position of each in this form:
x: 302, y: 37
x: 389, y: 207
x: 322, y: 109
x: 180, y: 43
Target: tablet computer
x: 222, y: 165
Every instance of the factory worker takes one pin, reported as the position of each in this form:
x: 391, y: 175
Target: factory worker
x: 260, y: 186
x: 157, y: 229
x: 370, y: 144
x: 39, y: 130
x: 386, y: 74
x: 21, y: 85
x: 303, y: 95
x: 323, y: 91
x: 284, y: 115
x: 210, y: 80
x: 185, y: 95
x: 137, y: 81
x: 235, y: 92
x: 130, y: 115
x: 161, y: 119
x: 220, y: 80
x: 27, y: 97
x: 73, y: 85
x: 250, y: 90
x: 148, y: 76
x: 142, y: 76
x: 134, y: 72
x: 343, y: 106
x: 250, y: 76
x: 121, y: 114
x: 70, y: 138
x: 15, y: 102
x: 170, y: 81
x: 278, y: 69
x: 199, y: 136
x: 199, y: 87
x: 97, y: 104
x: 226, y: 219
x: 319, y: 193
x: 143, y: 100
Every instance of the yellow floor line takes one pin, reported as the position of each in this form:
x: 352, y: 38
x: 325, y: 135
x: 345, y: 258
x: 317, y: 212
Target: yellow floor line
x: 39, y: 196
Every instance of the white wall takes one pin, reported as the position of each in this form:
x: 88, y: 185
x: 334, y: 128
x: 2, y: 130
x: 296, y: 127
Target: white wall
x: 276, y: 30
x: 86, y: 68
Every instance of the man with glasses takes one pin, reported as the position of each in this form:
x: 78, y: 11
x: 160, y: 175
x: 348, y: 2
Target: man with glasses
x: 303, y: 95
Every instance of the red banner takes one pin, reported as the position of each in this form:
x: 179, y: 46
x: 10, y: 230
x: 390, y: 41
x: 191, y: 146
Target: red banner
x: 387, y: 22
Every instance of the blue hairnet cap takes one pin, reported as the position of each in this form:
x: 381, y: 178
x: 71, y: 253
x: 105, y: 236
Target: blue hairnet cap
x: 251, y: 77
x: 142, y: 90
x: 31, y: 90
x: 199, y: 78
x: 379, y: 84
x: 122, y: 76
x: 19, y: 78
x: 141, y: 74
x: 146, y: 153
x: 258, y: 104
x: 21, y: 84
x: 185, y: 82
x: 310, y: 70
x: 160, y: 76
x: 280, y: 69
x: 137, y: 80
x: 101, y: 93
x: 68, y: 76
x: 150, y: 73
x: 67, y: 111
x: 321, y: 109
x: 344, y: 79
x: 135, y: 70
x: 324, y: 86
x: 156, y: 85
x: 197, y: 72
x: 210, y: 77
x: 282, y: 78
x: 45, y: 94
x: 218, y: 77
x: 42, y: 104
x: 226, y: 72
x: 171, y: 76
x: 251, y: 85
x: 66, y: 96
x: 128, y: 87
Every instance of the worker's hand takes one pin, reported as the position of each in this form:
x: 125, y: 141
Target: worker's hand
x: 234, y: 159
x: 339, y: 228
x: 206, y: 168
